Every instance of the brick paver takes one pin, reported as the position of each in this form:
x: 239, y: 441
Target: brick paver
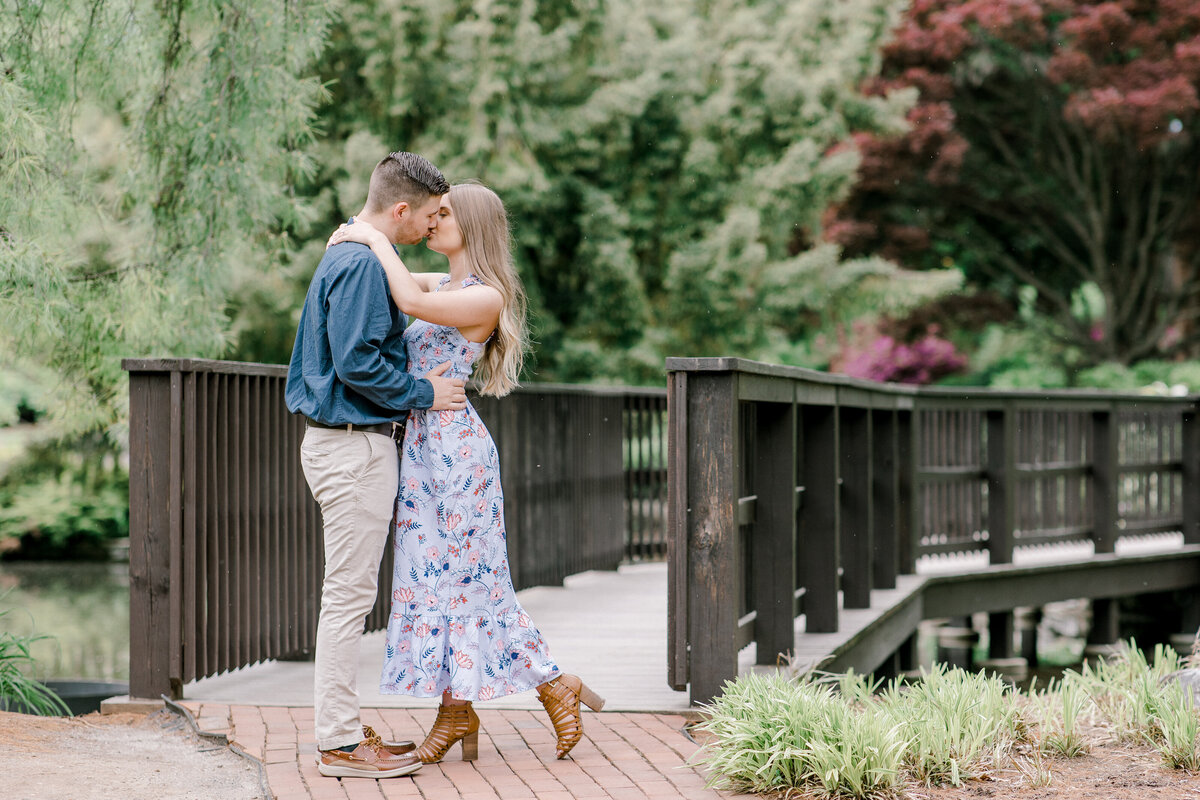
x: 630, y: 756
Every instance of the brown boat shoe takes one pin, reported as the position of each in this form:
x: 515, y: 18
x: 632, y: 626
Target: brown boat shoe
x: 371, y: 759
x: 395, y: 748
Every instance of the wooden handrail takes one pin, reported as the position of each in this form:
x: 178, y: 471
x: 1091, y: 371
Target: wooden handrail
x: 888, y: 474
x: 225, y: 539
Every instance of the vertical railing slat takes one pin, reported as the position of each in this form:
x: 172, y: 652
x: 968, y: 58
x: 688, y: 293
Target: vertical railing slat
x: 819, y: 523
x: 678, y: 613
x: 200, y: 458
x: 774, y: 542
x: 856, y: 506
x: 884, y: 493
x: 189, y: 534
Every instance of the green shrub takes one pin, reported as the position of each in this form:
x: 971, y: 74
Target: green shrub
x: 22, y: 394
x: 1186, y: 373
x: 1115, y: 377
x: 64, y: 499
x: 1011, y: 359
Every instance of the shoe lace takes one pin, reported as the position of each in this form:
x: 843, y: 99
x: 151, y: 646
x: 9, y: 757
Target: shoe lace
x: 373, y: 739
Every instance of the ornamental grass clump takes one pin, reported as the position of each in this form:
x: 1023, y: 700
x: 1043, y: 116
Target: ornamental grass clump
x: 18, y: 690
x: 1178, y: 727
x: 960, y: 724
x: 771, y: 733
x: 1059, y: 709
x: 1126, y: 690
x: 858, y: 689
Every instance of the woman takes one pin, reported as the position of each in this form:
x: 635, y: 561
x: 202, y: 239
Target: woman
x: 457, y: 629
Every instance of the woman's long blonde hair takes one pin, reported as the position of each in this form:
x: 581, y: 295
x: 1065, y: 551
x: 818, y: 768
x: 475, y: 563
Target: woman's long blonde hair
x: 483, y: 223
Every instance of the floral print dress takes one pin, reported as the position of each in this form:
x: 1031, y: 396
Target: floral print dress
x: 456, y: 623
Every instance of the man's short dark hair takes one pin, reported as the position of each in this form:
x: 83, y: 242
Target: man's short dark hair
x: 404, y: 177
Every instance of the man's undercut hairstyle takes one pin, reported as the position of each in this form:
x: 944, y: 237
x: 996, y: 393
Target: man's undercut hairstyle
x: 404, y: 178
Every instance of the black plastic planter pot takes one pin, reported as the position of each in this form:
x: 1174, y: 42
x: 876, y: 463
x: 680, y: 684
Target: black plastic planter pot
x: 81, y: 696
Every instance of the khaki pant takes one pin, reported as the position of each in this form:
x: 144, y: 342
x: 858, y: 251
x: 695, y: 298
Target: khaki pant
x: 354, y: 477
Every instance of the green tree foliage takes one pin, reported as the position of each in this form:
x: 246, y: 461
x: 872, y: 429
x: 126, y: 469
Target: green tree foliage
x: 147, y: 152
x: 64, y: 499
x: 665, y: 164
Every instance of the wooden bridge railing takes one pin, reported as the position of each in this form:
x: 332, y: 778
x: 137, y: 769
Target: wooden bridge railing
x: 225, y: 538
x: 789, y: 486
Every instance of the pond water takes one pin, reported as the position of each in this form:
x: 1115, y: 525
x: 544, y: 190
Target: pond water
x: 84, y: 607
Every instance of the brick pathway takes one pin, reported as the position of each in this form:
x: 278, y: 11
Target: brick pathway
x: 622, y: 756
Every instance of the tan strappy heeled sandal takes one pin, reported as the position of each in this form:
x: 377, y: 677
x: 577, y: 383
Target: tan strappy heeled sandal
x: 561, y: 698
x: 453, y: 724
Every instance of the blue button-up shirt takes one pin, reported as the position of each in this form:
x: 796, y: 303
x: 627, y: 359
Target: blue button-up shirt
x: 348, y: 362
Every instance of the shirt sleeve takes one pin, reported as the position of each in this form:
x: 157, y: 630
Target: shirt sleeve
x: 359, y: 321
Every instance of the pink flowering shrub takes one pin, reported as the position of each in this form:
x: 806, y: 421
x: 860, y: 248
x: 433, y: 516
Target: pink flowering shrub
x: 919, y: 362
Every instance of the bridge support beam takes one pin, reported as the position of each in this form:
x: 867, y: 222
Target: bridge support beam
x: 1106, y: 629
x: 1000, y: 635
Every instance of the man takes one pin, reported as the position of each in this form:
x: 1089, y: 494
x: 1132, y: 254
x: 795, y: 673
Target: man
x: 348, y: 378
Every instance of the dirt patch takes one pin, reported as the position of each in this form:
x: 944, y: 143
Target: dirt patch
x: 1111, y: 771
x: 118, y: 757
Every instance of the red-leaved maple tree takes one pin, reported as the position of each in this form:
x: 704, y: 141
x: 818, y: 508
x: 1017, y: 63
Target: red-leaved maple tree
x: 1053, y: 144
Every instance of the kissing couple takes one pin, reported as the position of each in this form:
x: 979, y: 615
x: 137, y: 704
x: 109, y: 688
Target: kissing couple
x: 379, y: 369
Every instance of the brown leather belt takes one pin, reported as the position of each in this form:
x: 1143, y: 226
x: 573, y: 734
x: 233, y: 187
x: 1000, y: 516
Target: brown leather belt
x: 393, y: 430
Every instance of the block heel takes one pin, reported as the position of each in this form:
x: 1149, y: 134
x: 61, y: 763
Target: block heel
x: 457, y: 723
x: 470, y: 746
x: 589, y: 698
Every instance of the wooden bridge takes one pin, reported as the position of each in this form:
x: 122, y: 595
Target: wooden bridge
x: 804, y: 513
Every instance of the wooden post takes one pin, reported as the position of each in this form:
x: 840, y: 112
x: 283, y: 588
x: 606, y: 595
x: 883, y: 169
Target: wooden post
x: 1028, y: 621
x: 908, y: 656
x: 1002, y: 512
x: 1191, y: 476
x: 886, y: 503
x: 1106, y: 476
x: 152, y: 466
x: 1001, y: 634
x: 713, y: 444
x: 774, y: 544
x: 1002, y: 483
x: 856, y: 507
x: 819, y: 520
